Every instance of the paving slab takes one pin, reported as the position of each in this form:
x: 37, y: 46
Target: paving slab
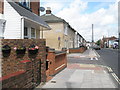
x: 81, y: 75
x: 77, y: 78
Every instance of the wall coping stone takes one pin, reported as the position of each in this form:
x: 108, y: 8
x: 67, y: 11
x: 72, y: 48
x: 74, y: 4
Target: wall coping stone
x: 11, y: 75
x: 25, y: 61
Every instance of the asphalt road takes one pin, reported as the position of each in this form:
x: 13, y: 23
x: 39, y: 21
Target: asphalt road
x: 110, y: 58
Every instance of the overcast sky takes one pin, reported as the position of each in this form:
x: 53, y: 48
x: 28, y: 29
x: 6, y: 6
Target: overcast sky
x: 81, y: 14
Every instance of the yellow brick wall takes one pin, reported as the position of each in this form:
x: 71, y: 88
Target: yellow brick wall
x: 57, y: 30
x: 52, y: 35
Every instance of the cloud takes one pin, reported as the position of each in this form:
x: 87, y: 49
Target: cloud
x: 55, y: 5
x: 104, y: 19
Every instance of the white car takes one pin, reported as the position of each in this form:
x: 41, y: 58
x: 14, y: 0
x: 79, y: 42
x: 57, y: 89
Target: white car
x: 115, y: 45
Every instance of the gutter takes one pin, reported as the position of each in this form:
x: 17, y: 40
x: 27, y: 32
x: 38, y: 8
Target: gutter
x: 48, y: 28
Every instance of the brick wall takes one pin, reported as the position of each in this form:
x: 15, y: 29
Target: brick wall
x: 77, y: 50
x: 33, y: 65
x: 1, y: 6
x: 56, y: 63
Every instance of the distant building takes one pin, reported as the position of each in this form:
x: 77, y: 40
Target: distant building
x: 107, y: 42
x: 80, y: 41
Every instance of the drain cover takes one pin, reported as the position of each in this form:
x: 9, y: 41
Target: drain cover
x: 53, y: 81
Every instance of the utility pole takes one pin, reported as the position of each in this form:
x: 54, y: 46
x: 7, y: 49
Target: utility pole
x: 92, y: 35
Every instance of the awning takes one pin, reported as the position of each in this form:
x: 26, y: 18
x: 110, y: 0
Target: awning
x: 29, y: 15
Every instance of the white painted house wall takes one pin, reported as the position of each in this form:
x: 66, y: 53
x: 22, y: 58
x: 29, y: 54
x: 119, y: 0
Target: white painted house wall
x: 13, y: 22
x: 1, y: 16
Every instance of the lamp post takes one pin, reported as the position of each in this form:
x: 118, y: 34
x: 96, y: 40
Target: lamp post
x: 92, y: 35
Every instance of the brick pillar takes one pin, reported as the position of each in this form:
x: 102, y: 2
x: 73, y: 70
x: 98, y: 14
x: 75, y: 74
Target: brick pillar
x: 65, y: 59
x: 51, y: 59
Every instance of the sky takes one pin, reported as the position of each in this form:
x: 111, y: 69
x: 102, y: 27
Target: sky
x: 81, y: 14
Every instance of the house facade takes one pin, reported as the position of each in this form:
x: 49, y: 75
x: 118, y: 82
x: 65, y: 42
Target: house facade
x: 2, y: 20
x: 61, y: 35
x: 79, y: 40
x: 22, y: 20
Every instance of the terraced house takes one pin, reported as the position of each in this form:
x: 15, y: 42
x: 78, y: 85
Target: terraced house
x: 61, y: 35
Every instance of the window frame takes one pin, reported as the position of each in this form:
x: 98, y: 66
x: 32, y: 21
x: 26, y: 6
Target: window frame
x: 31, y: 33
x: 66, y: 29
x: 26, y: 36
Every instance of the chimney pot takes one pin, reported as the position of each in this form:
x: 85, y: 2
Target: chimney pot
x: 48, y: 11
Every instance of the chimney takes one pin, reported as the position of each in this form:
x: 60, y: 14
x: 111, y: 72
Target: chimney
x: 48, y: 11
x: 34, y: 5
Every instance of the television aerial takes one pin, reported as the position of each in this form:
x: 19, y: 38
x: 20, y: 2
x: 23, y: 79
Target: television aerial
x: 42, y: 9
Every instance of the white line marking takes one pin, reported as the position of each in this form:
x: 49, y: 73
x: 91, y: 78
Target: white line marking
x: 96, y: 58
x: 110, y: 69
x: 91, y: 58
x: 97, y: 54
x: 114, y: 75
x: 116, y: 78
x: 104, y: 71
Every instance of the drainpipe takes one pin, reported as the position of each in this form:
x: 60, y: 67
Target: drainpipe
x: 42, y: 32
x: 22, y: 28
x: 2, y: 28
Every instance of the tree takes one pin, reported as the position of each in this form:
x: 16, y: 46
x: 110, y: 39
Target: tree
x: 98, y: 42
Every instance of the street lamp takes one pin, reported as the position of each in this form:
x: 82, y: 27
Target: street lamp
x: 92, y: 35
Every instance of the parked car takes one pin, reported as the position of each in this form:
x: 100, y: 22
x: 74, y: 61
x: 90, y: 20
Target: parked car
x: 96, y: 47
x: 115, y: 45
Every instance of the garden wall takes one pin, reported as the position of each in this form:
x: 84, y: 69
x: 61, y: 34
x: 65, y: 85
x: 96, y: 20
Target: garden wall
x: 77, y: 50
x: 56, y: 62
x: 23, y: 70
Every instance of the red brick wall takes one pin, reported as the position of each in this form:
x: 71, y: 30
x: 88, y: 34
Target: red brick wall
x: 33, y: 65
x: 57, y: 62
x: 77, y: 50
x: 60, y: 62
x: 1, y: 6
x: 35, y: 7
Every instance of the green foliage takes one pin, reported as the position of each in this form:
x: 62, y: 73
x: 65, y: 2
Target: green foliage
x: 98, y: 42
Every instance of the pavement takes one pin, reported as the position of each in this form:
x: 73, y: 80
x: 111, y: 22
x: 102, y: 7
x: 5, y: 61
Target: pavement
x: 82, y: 72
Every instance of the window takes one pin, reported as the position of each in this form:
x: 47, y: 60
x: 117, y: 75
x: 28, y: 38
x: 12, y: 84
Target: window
x: 25, y: 3
x: 29, y: 33
x: 66, y: 30
x: 33, y: 33
x: 26, y: 33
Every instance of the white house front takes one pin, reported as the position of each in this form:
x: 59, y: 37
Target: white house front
x: 21, y: 23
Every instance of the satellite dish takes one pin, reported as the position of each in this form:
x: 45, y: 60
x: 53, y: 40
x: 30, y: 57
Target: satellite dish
x: 42, y: 9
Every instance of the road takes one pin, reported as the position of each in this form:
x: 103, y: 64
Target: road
x: 110, y: 58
